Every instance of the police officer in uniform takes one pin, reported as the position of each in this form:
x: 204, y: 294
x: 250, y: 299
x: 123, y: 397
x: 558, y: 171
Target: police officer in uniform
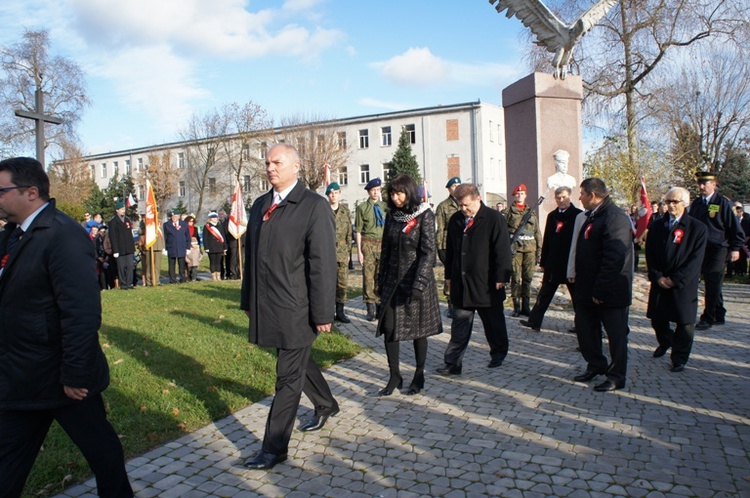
x: 527, y: 247
x: 443, y: 214
x: 724, y: 235
x: 368, y: 227
x: 343, y: 220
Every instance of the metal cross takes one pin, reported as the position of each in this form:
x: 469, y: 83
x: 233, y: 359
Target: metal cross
x: 40, y: 118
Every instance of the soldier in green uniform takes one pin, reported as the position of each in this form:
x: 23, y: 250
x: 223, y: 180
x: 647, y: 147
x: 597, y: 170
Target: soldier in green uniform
x: 443, y: 214
x: 343, y: 220
x: 368, y: 228
x: 526, y: 250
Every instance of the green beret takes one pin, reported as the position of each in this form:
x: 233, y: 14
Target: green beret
x: 332, y: 186
x: 453, y: 181
x: 119, y: 205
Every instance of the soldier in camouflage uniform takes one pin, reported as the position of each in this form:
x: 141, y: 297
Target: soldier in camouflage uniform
x: 368, y: 228
x: 443, y: 214
x: 527, y: 250
x: 343, y: 247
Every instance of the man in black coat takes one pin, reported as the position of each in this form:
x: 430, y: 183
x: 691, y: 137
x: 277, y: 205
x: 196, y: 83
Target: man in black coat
x: 724, y: 236
x: 674, y: 253
x: 603, y: 285
x: 289, y: 294
x: 123, y: 246
x: 52, y: 366
x: 558, y: 235
x: 477, y: 267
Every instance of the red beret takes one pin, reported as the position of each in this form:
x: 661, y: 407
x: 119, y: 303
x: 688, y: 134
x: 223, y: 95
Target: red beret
x: 519, y: 188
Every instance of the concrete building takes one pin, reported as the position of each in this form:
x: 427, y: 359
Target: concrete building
x: 465, y: 140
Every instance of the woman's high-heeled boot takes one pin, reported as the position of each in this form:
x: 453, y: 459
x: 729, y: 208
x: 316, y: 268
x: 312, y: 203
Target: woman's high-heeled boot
x: 420, y: 353
x: 395, y: 382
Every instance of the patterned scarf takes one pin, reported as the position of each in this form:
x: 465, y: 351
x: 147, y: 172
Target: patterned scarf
x: 402, y: 217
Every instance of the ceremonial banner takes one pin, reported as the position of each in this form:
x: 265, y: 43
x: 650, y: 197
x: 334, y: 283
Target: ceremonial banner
x: 237, y: 216
x: 152, y: 217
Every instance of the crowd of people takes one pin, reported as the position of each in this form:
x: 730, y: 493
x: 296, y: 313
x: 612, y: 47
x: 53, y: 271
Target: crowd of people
x: 294, y: 286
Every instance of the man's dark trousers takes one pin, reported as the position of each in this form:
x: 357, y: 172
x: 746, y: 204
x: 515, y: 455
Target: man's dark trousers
x: 296, y: 372
x: 680, y: 340
x: 543, y: 300
x: 714, y: 262
x: 23, y: 433
x: 125, y: 267
x: 495, y: 330
x: 588, y: 319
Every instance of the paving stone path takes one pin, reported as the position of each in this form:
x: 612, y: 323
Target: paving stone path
x: 525, y: 429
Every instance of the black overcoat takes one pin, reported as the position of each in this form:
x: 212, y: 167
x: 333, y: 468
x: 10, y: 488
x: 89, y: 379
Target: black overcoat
x: 212, y: 244
x: 558, y: 235
x: 50, y: 313
x: 289, y: 282
x: 723, y: 227
x: 121, y: 236
x: 407, y: 277
x: 604, y: 258
x: 477, y: 259
x: 677, y: 254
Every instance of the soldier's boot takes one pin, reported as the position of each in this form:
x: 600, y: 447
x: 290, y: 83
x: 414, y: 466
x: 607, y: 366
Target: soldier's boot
x: 370, y: 312
x: 340, y: 316
x: 377, y: 310
x: 516, y: 307
x: 525, y: 309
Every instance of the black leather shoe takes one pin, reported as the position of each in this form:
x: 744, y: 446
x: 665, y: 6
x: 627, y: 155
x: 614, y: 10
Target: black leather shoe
x: 494, y: 363
x: 660, y: 351
x: 607, y: 385
x: 572, y: 331
x: 703, y: 325
x: 720, y: 321
x: 527, y: 323
x: 264, y: 461
x: 679, y: 367
x: 318, y: 421
x: 449, y: 370
x: 586, y: 376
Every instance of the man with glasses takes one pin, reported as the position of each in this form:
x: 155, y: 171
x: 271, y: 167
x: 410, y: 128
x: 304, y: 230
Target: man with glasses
x: 724, y: 236
x: 674, y: 254
x: 52, y: 367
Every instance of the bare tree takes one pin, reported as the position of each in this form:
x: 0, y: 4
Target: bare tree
x: 26, y: 65
x: 70, y: 178
x: 319, y: 143
x: 163, y: 177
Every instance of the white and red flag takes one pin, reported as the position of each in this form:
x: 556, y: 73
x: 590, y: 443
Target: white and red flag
x: 237, y: 217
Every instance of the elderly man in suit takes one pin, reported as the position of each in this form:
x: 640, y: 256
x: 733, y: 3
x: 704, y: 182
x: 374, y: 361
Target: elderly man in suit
x: 52, y: 366
x: 177, y: 243
x: 477, y: 267
x: 603, y: 285
x: 674, y: 254
x: 289, y: 294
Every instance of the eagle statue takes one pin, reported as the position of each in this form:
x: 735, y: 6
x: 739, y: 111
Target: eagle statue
x: 551, y: 33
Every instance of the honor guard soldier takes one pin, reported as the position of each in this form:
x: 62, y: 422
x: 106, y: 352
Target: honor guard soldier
x: 368, y: 227
x: 724, y: 235
x: 526, y: 247
x: 343, y: 220
x: 443, y: 214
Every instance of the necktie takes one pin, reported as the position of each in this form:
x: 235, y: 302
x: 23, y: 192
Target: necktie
x: 379, y: 220
x: 705, y: 201
x: 672, y: 221
x: 270, y: 210
x: 15, y: 236
x: 469, y: 222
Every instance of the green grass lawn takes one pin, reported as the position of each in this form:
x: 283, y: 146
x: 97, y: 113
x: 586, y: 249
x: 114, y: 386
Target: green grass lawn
x: 179, y: 359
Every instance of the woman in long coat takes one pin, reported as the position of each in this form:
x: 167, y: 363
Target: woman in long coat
x: 406, y: 282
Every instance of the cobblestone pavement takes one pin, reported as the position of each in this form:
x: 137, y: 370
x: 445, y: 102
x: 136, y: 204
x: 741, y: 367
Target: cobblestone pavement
x: 522, y: 430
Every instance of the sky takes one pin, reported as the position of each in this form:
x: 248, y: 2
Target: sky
x: 151, y: 64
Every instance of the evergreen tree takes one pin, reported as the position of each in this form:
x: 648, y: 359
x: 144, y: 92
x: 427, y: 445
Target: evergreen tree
x: 734, y: 177
x: 118, y: 190
x: 404, y: 161
x: 95, y: 201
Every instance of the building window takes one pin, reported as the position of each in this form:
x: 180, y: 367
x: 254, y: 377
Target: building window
x: 385, y: 136
x: 245, y: 152
x: 451, y: 130
x: 264, y: 185
x: 364, y: 139
x: 386, y: 170
x: 104, y: 170
x: 141, y: 192
x: 343, y: 176
x: 140, y: 164
x: 246, y: 183
x: 181, y: 160
x: 182, y: 189
x: 212, y: 185
x: 128, y: 167
x: 115, y: 168
x: 411, y: 130
x: 263, y: 150
x: 93, y: 171
x: 492, y: 132
x: 342, y: 139
x: 364, y: 173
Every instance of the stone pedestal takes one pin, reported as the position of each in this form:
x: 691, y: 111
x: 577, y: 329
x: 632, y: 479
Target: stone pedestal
x: 542, y: 115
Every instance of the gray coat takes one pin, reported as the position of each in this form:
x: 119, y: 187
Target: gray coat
x: 289, y: 282
x: 407, y: 262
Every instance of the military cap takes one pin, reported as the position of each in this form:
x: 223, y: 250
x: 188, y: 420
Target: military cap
x: 332, y: 186
x: 213, y: 214
x: 175, y: 212
x: 119, y: 205
x: 704, y: 176
x: 519, y: 188
x: 453, y: 181
x: 375, y: 182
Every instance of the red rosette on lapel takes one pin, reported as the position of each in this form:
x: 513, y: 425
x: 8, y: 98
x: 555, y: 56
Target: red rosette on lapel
x: 411, y: 224
x: 559, y: 227
x: 588, y: 230
x: 4, y: 260
x: 678, y: 233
